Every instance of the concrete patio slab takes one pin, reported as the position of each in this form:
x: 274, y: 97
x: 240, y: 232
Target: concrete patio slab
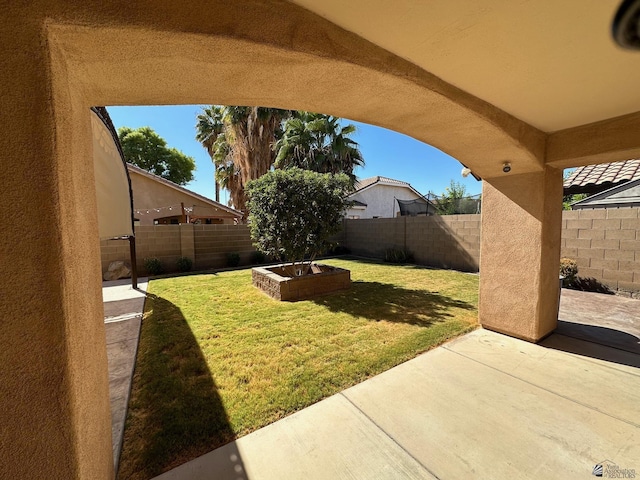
x: 123, y: 310
x: 479, y: 407
x: 331, y: 439
x: 568, y: 376
x: 116, y: 290
x: 612, y: 357
x: 602, y: 319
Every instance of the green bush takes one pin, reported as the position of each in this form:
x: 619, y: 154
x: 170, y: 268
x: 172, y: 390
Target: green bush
x: 569, y: 270
x: 153, y: 266
x: 185, y: 264
x: 398, y: 255
x: 233, y: 259
x: 258, y: 257
x: 295, y: 212
x: 340, y: 250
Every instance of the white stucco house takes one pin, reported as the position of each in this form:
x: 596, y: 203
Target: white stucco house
x: 375, y: 197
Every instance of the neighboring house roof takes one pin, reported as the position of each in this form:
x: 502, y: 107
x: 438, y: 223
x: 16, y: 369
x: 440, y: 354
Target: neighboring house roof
x: 625, y: 195
x: 358, y: 204
x: 175, y: 186
x: 596, y: 178
x: 378, y: 180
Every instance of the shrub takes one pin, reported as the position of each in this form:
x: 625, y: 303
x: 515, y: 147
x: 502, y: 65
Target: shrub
x: 153, y: 266
x: 569, y: 270
x: 185, y: 264
x: 295, y: 212
x: 340, y: 250
x: 258, y: 257
x: 398, y: 255
x: 233, y: 259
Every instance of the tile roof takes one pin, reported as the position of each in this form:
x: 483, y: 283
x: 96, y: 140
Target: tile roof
x: 371, y: 180
x: 595, y: 178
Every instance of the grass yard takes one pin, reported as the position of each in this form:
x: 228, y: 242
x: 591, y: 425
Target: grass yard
x: 218, y: 358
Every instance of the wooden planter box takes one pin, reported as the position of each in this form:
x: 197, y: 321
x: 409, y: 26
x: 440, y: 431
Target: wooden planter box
x: 324, y: 279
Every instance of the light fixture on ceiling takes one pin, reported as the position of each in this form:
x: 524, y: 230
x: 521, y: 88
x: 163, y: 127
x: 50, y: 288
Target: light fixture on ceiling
x: 506, y: 167
x: 465, y: 172
x: 626, y: 25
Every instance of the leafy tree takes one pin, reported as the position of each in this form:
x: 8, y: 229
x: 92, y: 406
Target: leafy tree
x: 146, y: 149
x: 244, y: 142
x: 295, y: 212
x: 318, y: 142
x: 449, y: 202
x: 567, y: 200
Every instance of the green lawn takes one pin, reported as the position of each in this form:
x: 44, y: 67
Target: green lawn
x: 218, y: 358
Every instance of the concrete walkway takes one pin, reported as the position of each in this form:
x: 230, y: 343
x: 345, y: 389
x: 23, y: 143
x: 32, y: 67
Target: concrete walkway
x: 123, y: 307
x: 602, y: 319
x: 482, y: 406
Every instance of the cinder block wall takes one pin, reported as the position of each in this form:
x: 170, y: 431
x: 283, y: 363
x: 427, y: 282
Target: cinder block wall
x: 372, y: 236
x: 605, y: 242
x: 212, y: 243
x: 606, y: 245
x: 206, y: 245
x: 451, y: 241
x: 160, y: 241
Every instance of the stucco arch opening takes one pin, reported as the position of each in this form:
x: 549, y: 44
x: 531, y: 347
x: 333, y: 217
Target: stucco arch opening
x: 82, y: 54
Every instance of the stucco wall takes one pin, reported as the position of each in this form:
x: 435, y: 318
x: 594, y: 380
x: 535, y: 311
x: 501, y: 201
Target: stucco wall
x: 151, y: 194
x: 380, y: 201
x: 61, y: 57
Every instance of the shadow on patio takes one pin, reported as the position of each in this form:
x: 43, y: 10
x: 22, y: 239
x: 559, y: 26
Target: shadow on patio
x: 596, y: 325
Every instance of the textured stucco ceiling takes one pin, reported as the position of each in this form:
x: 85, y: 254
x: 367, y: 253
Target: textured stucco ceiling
x: 550, y: 64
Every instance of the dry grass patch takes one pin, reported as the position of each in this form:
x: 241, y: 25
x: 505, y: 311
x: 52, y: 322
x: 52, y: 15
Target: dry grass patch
x: 219, y: 359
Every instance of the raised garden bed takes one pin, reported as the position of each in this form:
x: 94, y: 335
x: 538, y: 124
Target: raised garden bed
x: 323, y: 279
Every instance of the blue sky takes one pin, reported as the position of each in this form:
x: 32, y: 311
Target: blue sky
x: 386, y: 152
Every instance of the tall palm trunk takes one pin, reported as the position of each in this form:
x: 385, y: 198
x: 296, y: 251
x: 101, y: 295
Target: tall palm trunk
x: 239, y: 141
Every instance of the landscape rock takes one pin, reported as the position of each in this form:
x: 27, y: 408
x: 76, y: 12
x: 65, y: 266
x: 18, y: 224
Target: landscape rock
x: 118, y: 269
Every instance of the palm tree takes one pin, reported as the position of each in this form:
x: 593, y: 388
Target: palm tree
x: 318, y: 142
x: 240, y: 142
x: 208, y: 127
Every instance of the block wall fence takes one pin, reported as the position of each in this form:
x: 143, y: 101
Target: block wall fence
x: 206, y: 245
x: 604, y: 242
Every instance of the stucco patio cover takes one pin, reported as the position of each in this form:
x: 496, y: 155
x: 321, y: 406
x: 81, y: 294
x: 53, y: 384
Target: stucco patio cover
x: 113, y: 190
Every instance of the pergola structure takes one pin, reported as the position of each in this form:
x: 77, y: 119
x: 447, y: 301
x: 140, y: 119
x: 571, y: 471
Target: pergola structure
x: 529, y: 87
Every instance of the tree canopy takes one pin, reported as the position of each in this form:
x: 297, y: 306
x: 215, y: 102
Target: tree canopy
x: 318, y: 142
x: 239, y: 141
x: 244, y: 143
x: 295, y: 212
x: 567, y: 200
x: 449, y: 203
x: 146, y: 149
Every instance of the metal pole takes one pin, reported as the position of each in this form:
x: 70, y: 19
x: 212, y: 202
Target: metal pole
x: 134, y: 263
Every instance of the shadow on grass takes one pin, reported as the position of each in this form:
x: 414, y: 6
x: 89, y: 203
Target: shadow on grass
x: 383, y: 301
x: 175, y: 412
